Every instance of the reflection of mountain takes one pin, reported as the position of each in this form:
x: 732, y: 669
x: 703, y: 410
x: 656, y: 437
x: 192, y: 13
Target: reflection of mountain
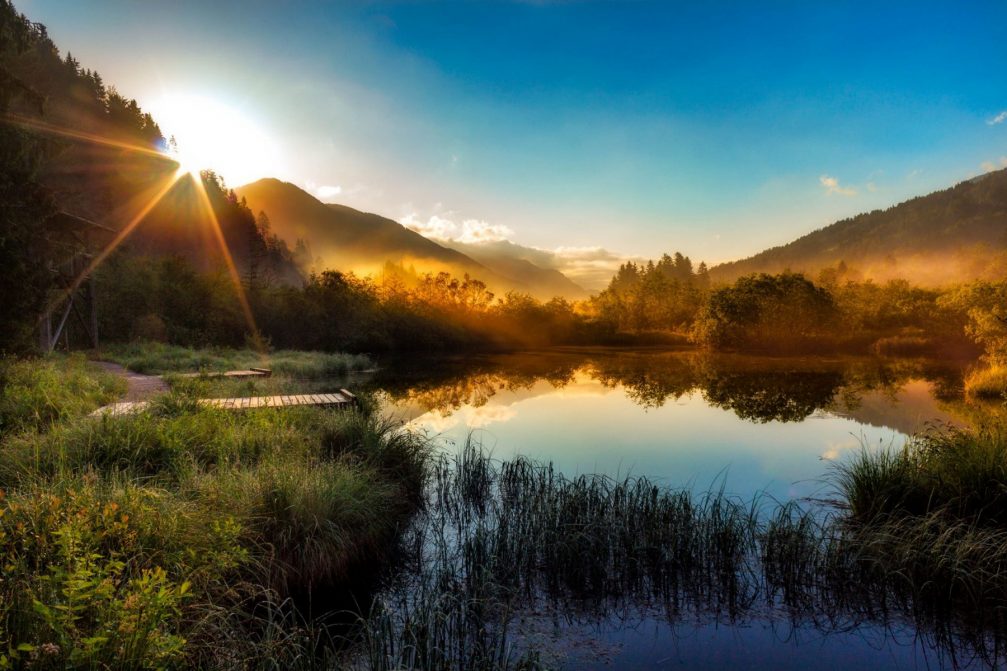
x: 895, y: 394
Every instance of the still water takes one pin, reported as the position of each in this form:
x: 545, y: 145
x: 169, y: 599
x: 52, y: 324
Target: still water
x: 771, y: 427
x: 750, y: 425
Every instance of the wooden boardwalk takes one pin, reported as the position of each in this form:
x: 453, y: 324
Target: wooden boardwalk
x: 340, y: 399
x: 231, y: 374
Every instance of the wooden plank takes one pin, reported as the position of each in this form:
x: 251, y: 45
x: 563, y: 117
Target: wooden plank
x: 341, y: 398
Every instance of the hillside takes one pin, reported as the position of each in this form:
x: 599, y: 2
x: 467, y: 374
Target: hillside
x: 506, y: 258
x: 348, y: 239
x: 952, y: 235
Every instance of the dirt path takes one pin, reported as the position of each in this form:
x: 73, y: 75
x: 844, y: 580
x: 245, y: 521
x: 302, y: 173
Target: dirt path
x: 140, y: 387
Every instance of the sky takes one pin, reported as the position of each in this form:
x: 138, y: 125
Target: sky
x: 595, y: 130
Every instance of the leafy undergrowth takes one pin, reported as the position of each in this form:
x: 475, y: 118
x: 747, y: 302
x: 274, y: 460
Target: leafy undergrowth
x: 157, y: 358
x: 163, y: 538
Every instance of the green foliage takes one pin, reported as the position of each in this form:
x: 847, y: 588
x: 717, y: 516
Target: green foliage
x: 765, y: 311
x: 657, y: 296
x: 131, y: 542
x: 984, y: 306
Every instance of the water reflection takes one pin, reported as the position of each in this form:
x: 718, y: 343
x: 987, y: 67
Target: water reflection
x: 753, y: 424
x: 757, y: 389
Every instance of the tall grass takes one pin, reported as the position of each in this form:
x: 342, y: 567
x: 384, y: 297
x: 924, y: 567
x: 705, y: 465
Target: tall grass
x: 36, y: 393
x: 143, y: 541
x: 158, y: 358
x: 503, y: 541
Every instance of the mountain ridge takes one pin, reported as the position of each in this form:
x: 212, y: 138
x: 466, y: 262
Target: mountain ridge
x: 953, y: 234
x: 350, y: 239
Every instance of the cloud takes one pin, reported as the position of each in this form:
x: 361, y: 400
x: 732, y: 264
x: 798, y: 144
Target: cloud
x: 469, y: 231
x: 990, y: 166
x: 832, y: 186
x: 324, y: 191
x: 998, y: 119
x: 872, y: 187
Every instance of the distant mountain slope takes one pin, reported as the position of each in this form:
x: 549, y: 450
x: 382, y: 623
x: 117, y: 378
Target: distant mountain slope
x: 947, y: 236
x: 348, y: 239
x: 511, y: 260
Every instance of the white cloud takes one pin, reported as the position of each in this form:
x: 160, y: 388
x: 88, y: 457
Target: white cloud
x: 832, y: 186
x: 323, y: 191
x: 872, y: 187
x: 328, y: 191
x: 999, y: 118
x: 469, y: 231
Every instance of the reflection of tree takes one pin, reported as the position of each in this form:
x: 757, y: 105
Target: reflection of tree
x: 649, y: 380
x: 448, y: 384
x: 759, y: 389
x: 789, y: 396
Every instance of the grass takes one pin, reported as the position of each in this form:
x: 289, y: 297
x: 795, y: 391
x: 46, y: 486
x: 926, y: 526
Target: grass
x: 160, y: 539
x: 934, y: 514
x: 158, y: 358
x: 37, y: 393
x: 191, y: 536
x: 506, y: 543
x: 989, y: 382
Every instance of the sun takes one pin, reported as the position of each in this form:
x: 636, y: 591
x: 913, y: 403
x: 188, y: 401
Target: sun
x: 212, y: 135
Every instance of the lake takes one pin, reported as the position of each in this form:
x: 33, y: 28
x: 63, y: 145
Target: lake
x: 750, y: 426
x: 684, y: 419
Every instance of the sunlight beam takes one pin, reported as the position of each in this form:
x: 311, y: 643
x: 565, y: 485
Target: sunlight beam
x: 42, y: 126
x: 117, y: 240
x: 232, y: 269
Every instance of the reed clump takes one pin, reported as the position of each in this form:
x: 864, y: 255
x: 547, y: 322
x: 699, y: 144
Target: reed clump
x: 934, y: 514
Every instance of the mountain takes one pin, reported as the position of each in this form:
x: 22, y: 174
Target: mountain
x: 348, y: 239
x: 510, y: 260
x: 952, y: 235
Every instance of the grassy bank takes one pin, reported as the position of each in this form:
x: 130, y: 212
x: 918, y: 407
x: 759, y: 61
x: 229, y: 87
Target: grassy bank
x: 988, y: 382
x: 175, y: 537
x: 159, y: 358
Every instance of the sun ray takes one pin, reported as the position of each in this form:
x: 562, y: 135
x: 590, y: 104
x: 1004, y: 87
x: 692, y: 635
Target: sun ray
x: 232, y: 269
x: 52, y: 129
x: 117, y: 240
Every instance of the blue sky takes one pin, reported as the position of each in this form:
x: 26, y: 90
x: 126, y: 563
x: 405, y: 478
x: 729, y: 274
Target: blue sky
x: 716, y: 129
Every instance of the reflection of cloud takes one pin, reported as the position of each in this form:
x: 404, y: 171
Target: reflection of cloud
x: 434, y: 421
x: 491, y: 414
x: 834, y: 451
x: 470, y: 231
x: 832, y: 186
